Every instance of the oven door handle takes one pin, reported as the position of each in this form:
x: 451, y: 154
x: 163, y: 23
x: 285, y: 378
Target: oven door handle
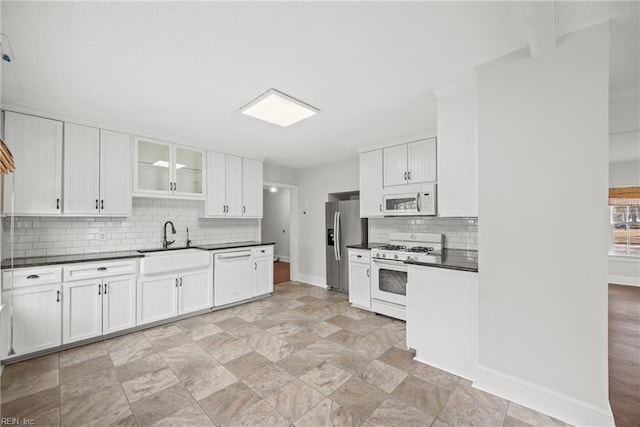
x: 399, y: 264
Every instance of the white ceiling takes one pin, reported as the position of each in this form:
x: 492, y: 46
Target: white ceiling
x: 180, y: 71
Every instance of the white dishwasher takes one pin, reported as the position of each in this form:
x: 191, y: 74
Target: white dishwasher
x: 233, y: 277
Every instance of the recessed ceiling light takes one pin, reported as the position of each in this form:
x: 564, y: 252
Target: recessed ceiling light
x: 277, y: 108
x: 165, y: 164
x: 273, y: 189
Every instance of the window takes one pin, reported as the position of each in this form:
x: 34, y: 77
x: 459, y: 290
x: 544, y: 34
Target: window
x: 625, y: 230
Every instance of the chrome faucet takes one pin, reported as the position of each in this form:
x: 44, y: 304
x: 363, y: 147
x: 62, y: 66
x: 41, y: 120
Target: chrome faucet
x: 165, y: 242
x: 188, y: 241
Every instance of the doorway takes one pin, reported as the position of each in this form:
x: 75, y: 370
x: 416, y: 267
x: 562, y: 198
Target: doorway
x: 277, y: 227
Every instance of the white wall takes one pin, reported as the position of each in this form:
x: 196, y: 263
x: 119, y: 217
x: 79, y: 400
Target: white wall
x: 543, y: 149
x: 276, y: 220
x: 279, y: 174
x: 314, y: 186
x: 624, y: 174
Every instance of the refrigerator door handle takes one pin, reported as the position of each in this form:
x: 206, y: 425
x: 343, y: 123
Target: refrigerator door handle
x: 335, y: 235
x: 338, y: 237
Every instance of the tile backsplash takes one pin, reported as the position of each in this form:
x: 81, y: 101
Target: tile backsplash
x: 47, y: 236
x: 459, y: 233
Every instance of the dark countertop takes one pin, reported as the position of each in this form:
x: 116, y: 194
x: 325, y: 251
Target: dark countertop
x: 365, y: 246
x: 453, y: 259
x: 107, y: 256
x: 218, y: 246
x: 67, y: 259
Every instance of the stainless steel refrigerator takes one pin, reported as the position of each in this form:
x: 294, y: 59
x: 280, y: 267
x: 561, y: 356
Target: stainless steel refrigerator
x: 343, y: 227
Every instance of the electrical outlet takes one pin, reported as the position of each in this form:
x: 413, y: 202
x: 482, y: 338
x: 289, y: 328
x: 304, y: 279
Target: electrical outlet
x: 102, y: 236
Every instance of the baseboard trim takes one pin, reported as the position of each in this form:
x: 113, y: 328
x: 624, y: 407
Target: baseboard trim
x: 312, y: 280
x: 282, y: 258
x: 542, y: 399
x: 624, y: 280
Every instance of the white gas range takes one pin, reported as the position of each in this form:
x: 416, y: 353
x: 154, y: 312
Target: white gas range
x: 389, y: 272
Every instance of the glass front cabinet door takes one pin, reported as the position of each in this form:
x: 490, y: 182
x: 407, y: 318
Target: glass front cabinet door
x: 167, y: 169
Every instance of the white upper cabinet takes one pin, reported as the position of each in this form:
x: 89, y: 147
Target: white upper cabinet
x: 97, y: 171
x: 163, y: 169
x: 252, y: 188
x: 411, y: 163
x: 371, y: 189
x: 36, y: 183
x: 234, y: 186
x: 458, y: 153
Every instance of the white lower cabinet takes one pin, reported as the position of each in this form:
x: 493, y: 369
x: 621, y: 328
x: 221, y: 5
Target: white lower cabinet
x: 95, y: 307
x: 360, y: 278
x: 163, y: 297
x: 263, y: 267
x: 242, y: 274
x: 36, y: 320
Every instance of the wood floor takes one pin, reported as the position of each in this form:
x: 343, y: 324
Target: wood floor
x: 624, y: 354
x: 281, y: 272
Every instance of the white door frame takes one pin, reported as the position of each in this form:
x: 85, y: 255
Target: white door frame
x: 293, y: 226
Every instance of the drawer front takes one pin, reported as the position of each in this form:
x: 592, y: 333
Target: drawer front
x: 92, y: 270
x: 262, y: 251
x: 361, y: 257
x: 31, y: 276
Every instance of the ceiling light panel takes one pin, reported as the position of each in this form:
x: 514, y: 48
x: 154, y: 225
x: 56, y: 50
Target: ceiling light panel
x: 279, y: 109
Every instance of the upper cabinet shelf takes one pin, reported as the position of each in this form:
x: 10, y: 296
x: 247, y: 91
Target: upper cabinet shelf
x: 163, y: 169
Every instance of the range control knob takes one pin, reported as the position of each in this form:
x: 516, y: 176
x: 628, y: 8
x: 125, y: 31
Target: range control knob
x: 384, y: 255
x: 395, y: 256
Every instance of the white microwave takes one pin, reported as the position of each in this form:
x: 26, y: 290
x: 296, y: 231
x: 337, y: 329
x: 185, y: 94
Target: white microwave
x: 421, y: 203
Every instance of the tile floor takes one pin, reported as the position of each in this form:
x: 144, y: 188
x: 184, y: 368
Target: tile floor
x: 303, y: 357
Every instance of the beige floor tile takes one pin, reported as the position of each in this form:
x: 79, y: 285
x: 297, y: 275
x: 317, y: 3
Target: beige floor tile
x: 32, y: 383
x: 358, y: 396
x: 162, y: 331
x: 294, y: 399
x: 389, y: 335
x: 324, y: 349
x: 127, y: 348
x: 121, y: 417
x: 260, y: 414
x: 401, y: 359
x: 427, y: 397
x: 229, y: 349
x: 140, y: 367
x: 245, y: 330
x: 434, y: 375
x: 37, y: 406
x: 514, y: 422
x: 370, y: 347
x: 82, y: 353
x: 171, y: 341
x: 362, y: 327
x: 268, y: 379
x: 197, y: 328
x: 94, y: 405
x: 301, y: 339
x: 210, y: 382
x: 148, y: 384
x: 261, y: 339
x: 345, y: 338
x: 277, y: 350
x: 341, y: 321
x: 22, y: 371
x: 299, y: 363
x: 323, y: 329
x: 245, y: 365
x: 383, y: 376
x: 190, y: 416
x: 326, y: 378
x: 188, y: 361
x: 225, y: 404
x: 103, y: 379
x: 85, y: 369
x: 212, y: 342
x: 351, y: 361
x: 466, y: 408
x: 154, y: 408
x: 283, y: 330
x: 532, y: 417
x: 394, y: 412
x: 329, y: 413
x: 230, y: 323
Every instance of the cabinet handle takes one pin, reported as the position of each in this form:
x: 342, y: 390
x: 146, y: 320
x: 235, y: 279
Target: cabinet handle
x: 33, y: 276
x: 409, y: 175
x: 224, y: 209
x: 405, y: 176
x: 244, y: 209
x: 368, y: 273
x: 57, y: 203
x: 101, y: 204
x: 176, y: 282
x: 96, y: 203
x: 102, y: 268
x: 57, y: 296
x: 105, y: 288
x: 175, y: 187
x: 99, y: 289
x: 380, y: 207
x: 255, y: 265
x: 181, y: 281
